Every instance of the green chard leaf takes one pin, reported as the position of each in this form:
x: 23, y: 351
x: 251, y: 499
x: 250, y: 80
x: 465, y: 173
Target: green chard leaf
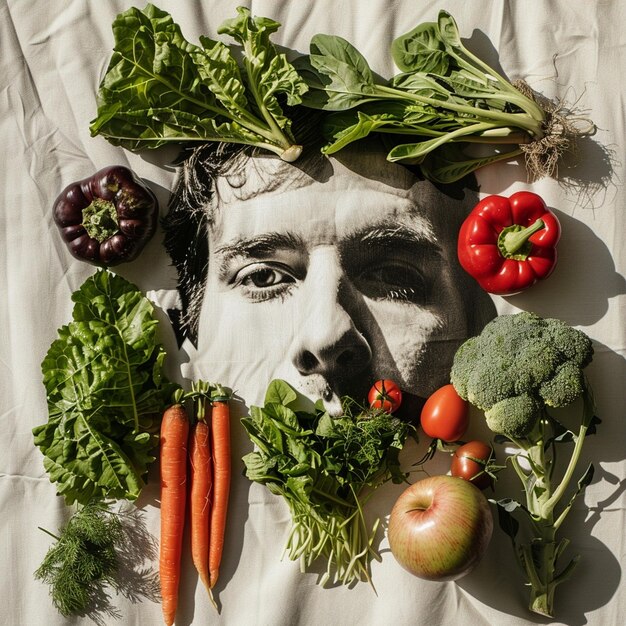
x: 103, y: 380
x: 268, y: 72
x: 160, y: 89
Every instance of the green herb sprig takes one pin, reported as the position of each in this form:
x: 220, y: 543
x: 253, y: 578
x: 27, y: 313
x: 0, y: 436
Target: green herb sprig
x: 325, y: 468
x: 83, y: 562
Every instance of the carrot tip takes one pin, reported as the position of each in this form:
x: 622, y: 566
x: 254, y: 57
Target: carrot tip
x: 212, y: 599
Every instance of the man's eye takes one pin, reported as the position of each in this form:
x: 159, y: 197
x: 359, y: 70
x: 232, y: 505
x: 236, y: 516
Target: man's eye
x: 393, y: 281
x: 261, y: 281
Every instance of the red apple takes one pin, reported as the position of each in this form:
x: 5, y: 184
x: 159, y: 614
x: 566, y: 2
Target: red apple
x: 440, y: 527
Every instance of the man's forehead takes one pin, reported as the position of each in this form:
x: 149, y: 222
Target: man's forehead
x: 254, y: 176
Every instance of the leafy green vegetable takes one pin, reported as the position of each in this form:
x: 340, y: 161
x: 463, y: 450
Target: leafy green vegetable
x: 83, y: 561
x: 105, y: 393
x: 444, y: 95
x: 323, y: 466
x: 159, y: 88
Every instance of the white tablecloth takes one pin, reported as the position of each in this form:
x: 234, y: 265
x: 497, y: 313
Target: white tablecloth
x: 53, y: 55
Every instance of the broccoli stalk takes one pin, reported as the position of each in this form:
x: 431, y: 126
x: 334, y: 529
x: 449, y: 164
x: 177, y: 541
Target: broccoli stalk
x: 515, y: 370
x: 539, y: 557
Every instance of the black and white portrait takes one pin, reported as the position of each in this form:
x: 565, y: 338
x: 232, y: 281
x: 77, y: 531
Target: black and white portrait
x: 330, y: 272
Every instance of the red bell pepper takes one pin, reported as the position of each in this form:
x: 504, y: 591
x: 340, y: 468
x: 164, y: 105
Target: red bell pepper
x: 508, y: 244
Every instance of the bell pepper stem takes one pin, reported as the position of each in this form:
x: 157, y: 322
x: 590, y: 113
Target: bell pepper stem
x: 513, y: 240
x: 100, y: 219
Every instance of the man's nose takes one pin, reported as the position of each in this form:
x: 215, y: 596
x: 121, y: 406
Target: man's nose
x: 328, y: 342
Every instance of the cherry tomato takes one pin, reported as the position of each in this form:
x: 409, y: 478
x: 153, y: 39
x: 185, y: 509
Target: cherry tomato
x: 469, y: 461
x: 385, y: 395
x: 445, y: 415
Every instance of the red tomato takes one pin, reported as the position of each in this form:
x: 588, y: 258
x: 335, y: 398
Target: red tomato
x: 385, y: 395
x: 445, y: 415
x: 469, y: 461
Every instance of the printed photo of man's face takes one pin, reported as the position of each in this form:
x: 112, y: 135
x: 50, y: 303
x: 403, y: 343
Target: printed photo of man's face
x: 331, y: 275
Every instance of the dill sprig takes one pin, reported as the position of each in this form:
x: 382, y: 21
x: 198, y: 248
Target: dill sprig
x: 83, y: 561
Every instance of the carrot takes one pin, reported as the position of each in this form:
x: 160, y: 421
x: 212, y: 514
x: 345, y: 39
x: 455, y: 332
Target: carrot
x: 200, y: 498
x: 173, y: 456
x: 220, y: 440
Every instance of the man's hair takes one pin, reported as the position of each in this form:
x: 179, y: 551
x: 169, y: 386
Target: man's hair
x: 194, y: 202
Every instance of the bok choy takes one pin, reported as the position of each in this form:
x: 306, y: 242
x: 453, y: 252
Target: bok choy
x: 444, y: 99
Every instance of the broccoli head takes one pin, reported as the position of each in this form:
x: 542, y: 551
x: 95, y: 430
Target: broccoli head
x: 519, y: 364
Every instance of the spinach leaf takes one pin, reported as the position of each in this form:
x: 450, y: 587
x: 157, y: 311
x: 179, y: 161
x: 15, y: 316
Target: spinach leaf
x: 105, y: 391
x: 337, y: 74
x: 421, y: 50
x: 160, y: 89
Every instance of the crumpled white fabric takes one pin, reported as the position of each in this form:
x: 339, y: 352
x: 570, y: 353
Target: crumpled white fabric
x: 52, y: 57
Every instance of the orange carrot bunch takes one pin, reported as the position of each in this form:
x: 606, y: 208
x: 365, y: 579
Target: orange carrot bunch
x: 195, y: 465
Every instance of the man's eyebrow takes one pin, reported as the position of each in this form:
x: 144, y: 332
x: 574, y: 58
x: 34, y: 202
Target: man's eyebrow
x: 384, y: 235
x: 259, y: 246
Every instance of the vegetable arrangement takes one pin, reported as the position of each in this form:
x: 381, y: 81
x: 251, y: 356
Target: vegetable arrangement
x: 105, y: 392
x: 108, y: 217
x: 160, y: 89
x: 516, y: 370
x: 109, y: 404
x: 445, y: 97
x: 324, y: 468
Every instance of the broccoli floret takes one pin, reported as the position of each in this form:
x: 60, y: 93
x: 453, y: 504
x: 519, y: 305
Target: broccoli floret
x: 519, y: 364
x: 514, y: 417
x: 564, y: 387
